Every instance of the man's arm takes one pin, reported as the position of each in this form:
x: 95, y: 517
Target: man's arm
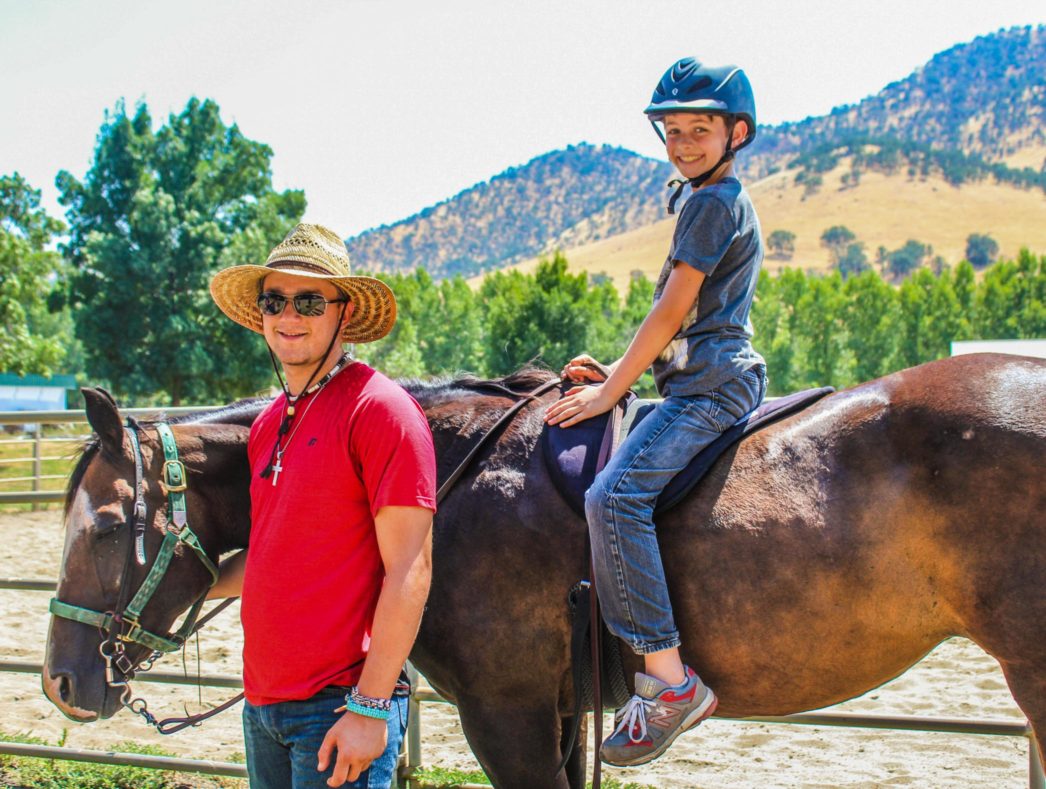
x: 230, y: 577
x: 405, y: 542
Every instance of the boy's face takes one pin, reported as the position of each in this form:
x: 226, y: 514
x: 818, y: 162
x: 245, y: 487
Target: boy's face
x: 695, y: 142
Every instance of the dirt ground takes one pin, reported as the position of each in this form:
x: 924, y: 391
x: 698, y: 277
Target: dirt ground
x: 955, y: 680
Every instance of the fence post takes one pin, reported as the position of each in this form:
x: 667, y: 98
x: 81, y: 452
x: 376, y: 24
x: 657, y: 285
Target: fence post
x: 413, y: 727
x: 38, y: 466
x: 1035, y: 776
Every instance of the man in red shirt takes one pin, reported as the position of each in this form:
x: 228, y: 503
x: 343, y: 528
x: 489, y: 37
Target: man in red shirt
x: 335, y: 578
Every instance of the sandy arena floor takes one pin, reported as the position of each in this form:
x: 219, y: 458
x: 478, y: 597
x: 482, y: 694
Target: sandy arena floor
x: 955, y: 680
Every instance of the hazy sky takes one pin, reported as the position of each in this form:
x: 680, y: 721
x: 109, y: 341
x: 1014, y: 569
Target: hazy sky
x: 379, y: 109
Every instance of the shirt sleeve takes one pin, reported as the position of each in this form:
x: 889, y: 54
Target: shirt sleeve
x: 393, y: 444
x: 704, y: 232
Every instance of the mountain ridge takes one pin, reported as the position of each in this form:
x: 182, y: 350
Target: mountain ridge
x: 976, y: 110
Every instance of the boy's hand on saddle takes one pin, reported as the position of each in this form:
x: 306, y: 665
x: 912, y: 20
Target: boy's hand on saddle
x: 577, y: 405
x: 358, y: 741
x: 584, y: 369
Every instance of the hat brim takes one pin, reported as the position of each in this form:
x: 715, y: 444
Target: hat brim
x: 235, y: 290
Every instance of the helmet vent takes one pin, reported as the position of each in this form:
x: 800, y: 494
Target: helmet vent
x: 699, y: 85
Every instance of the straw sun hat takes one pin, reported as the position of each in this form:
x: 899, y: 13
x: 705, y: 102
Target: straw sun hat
x: 308, y: 251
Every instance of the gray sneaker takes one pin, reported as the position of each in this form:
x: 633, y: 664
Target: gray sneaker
x: 654, y: 717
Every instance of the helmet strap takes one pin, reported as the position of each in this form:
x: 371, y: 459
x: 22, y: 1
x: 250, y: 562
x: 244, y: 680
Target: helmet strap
x: 699, y: 181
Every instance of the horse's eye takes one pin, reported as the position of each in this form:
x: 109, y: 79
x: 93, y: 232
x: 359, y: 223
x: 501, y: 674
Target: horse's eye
x: 106, y: 529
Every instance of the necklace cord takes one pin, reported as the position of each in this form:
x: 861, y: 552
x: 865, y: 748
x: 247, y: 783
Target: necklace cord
x: 285, y: 422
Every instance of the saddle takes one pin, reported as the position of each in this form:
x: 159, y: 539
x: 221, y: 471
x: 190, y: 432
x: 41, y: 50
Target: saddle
x: 571, y: 454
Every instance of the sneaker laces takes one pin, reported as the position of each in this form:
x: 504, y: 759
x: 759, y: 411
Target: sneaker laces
x: 632, y: 714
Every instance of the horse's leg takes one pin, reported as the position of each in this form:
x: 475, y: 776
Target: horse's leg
x: 517, y: 746
x: 1027, y: 683
x: 576, y: 764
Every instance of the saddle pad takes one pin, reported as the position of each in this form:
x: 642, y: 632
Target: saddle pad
x: 571, y: 453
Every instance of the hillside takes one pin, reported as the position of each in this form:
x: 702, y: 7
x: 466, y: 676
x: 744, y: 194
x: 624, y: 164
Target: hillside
x: 964, y: 135
x: 561, y: 199
x: 985, y: 97
x: 882, y: 210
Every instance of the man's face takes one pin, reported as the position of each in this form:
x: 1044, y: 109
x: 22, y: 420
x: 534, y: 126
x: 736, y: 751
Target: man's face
x: 299, y: 340
x: 695, y: 142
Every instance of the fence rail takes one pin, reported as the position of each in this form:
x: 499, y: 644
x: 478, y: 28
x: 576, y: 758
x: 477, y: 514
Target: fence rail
x: 1036, y: 779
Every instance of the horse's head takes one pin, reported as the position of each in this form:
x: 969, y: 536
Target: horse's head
x: 116, y: 602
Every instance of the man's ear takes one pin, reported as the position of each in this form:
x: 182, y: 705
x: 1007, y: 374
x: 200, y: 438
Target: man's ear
x: 346, y: 318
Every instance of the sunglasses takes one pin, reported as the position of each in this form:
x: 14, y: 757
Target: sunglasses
x: 309, y: 305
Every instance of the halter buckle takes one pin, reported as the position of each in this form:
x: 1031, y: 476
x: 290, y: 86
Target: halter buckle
x: 174, y: 477
x: 128, y: 636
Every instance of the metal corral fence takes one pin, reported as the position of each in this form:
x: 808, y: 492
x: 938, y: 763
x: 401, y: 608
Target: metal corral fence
x: 411, y: 759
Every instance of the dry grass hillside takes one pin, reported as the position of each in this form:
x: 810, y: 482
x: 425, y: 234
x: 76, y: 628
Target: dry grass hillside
x: 883, y: 210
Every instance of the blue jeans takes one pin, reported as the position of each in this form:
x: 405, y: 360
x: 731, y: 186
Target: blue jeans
x: 283, y: 740
x: 620, y: 506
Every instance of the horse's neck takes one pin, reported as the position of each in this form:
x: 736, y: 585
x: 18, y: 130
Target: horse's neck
x: 225, y: 487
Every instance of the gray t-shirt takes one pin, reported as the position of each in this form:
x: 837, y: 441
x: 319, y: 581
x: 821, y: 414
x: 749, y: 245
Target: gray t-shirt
x: 718, y: 234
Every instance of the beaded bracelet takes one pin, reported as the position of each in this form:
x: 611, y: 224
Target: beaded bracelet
x: 367, y: 712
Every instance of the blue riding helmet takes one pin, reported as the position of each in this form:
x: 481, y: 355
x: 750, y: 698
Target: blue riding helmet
x: 690, y: 86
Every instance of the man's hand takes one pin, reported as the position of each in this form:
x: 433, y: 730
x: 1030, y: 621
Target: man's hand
x: 358, y: 740
x: 577, y: 405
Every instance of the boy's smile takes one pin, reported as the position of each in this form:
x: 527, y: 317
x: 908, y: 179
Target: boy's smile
x: 695, y: 142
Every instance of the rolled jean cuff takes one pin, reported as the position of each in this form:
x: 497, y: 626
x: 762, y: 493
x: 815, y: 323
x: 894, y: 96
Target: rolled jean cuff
x: 659, y: 646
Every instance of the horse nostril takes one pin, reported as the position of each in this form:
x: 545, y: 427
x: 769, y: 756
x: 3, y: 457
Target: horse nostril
x: 65, y: 688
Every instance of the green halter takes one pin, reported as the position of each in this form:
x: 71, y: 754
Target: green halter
x: 124, y: 624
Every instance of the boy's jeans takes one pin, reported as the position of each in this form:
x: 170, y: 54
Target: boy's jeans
x: 620, y: 506
x: 283, y: 740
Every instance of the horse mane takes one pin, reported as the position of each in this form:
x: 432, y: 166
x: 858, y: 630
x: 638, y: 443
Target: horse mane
x: 516, y: 384
x: 242, y: 413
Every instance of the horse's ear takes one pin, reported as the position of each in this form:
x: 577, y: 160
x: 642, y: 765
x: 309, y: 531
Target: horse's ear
x: 104, y: 417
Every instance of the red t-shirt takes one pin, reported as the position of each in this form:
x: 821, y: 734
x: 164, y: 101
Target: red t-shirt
x: 313, y: 571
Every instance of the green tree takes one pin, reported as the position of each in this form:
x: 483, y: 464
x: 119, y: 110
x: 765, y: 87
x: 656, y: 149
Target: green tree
x: 781, y: 244
x: 836, y: 239
x: 776, y: 328
x: 853, y: 261
x: 33, y: 340
x: 638, y: 301
x: 981, y: 249
x: 439, y: 330
x: 932, y: 317
x: 819, y: 317
x: 530, y: 318
x: 871, y: 318
x: 1011, y: 301
x: 156, y: 215
x: 902, y: 262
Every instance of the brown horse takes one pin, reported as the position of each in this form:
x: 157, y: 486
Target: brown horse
x: 818, y: 559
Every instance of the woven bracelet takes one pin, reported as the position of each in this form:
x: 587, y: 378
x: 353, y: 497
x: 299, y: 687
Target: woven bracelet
x: 367, y: 712
x: 370, y: 702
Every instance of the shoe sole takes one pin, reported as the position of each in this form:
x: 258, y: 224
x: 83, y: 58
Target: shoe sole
x: 699, y: 714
